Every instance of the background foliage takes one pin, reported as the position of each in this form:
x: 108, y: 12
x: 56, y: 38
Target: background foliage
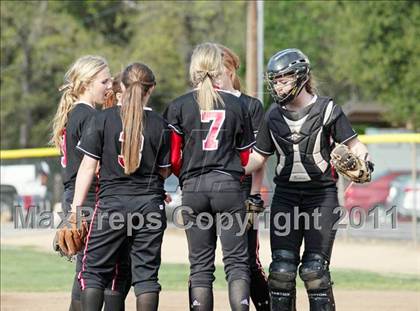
x: 361, y: 51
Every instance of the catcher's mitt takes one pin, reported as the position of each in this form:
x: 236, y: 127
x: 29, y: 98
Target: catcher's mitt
x: 254, y: 205
x: 70, y: 238
x: 350, y: 165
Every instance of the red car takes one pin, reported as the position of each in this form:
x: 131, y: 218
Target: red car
x: 371, y: 194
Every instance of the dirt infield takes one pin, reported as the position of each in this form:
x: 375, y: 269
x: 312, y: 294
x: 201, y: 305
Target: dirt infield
x: 346, y: 301
x: 375, y: 256
x: 368, y: 255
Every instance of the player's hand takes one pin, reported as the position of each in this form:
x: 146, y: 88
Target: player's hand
x: 254, y: 205
x: 168, y: 198
x: 71, y: 237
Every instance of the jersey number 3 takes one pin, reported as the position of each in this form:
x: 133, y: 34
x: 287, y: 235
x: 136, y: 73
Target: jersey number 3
x: 120, y: 156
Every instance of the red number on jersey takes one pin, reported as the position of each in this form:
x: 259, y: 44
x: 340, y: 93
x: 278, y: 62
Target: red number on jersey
x: 63, y: 148
x: 121, y: 157
x: 216, y: 117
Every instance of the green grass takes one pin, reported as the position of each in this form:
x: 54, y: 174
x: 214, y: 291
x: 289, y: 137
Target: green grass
x: 24, y: 269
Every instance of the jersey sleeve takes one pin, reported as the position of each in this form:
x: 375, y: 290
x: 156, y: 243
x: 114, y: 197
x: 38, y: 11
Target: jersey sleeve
x: 264, y: 145
x: 245, y: 137
x: 92, y: 139
x: 173, y: 116
x: 164, y: 150
x: 341, y: 129
x: 257, y: 114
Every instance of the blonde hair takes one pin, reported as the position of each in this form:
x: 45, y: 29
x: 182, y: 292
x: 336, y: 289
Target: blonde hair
x: 137, y: 79
x: 81, y: 73
x: 232, y: 62
x: 206, y: 67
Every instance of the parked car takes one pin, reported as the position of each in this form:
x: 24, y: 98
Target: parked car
x: 174, y: 191
x: 401, y: 195
x: 27, y: 184
x: 8, y: 200
x: 373, y: 194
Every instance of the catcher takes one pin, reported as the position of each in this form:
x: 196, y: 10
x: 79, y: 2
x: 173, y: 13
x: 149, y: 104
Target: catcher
x: 303, y: 128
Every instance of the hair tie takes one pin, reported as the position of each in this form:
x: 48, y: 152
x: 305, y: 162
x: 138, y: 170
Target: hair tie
x: 65, y: 86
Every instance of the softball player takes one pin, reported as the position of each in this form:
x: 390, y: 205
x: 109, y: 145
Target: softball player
x: 86, y: 83
x: 132, y: 143
x: 301, y: 127
x: 211, y: 129
x: 259, y: 287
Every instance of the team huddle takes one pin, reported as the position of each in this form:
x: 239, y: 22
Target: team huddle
x: 216, y: 140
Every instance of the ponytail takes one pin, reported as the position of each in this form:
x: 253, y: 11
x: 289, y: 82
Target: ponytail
x: 137, y: 79
x: 132, y: 123
x: 60, y: 119
x: 208, y: 97
x: 206, y: 67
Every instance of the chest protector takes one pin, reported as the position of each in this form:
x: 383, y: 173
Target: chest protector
x: 303, y: 142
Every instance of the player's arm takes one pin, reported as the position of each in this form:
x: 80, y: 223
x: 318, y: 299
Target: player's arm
x: 85, y: 174
x: 257, y: 117
x: 263, y: 148
x: 176, y: 138
x: 165, y: 172
x: 176, y: 152
x: 350, y: 157
x: 90, y: 146
x: 256, y: 161
x: 257, y: 179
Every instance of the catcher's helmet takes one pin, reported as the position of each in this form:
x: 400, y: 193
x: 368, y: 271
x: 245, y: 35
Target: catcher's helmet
x: 284, y: 63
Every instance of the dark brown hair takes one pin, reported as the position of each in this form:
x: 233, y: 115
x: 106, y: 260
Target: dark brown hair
x: 310, y: 86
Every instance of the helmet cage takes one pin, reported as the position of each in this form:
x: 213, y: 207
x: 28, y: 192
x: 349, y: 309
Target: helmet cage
x: 301, y: 75
x: 289, y: 62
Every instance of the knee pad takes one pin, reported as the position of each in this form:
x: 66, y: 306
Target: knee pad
x: 282, y: 280
x: 314, y: 272
x: 283, y: 270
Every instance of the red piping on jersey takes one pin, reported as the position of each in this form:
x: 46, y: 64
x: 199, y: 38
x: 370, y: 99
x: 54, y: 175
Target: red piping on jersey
x: 176, y: 152
x: 245, y: 156
x: 63, y: 147
x: 82, y: 280
x: 115, y: 277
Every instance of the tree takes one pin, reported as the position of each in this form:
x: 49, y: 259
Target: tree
x: 377, y: 55
x: 38, y: 43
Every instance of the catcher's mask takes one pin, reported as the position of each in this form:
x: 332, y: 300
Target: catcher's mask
x: 287, y: 63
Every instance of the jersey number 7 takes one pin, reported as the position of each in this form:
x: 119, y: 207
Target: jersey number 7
x: 216, y: 117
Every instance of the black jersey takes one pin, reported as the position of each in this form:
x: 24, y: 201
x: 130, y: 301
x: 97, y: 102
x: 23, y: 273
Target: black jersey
x: 78, y: 120
x: 256, y: 112
x: 303, y: 142
x: 255, y: 109
x: 212, y: 139
x: 102, y: 141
